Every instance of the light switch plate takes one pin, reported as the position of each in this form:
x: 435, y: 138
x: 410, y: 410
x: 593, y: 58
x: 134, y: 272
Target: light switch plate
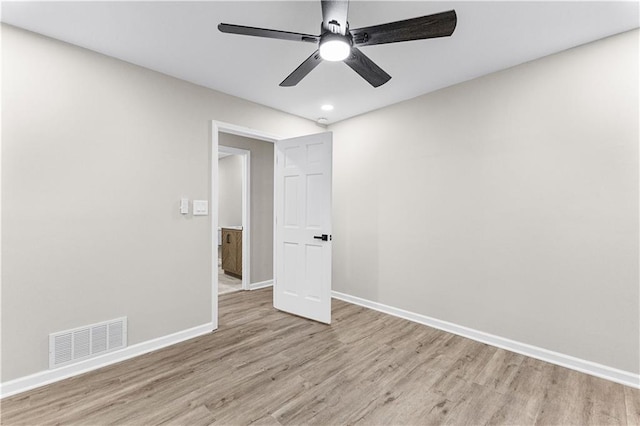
x: 184, y: 205
x: 200, y: 207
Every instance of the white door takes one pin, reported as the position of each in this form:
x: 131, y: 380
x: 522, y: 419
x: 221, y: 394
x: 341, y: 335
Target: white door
x: 302, y: 255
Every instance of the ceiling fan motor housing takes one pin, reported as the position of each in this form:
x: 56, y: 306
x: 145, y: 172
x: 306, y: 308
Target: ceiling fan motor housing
x: 334, y: 27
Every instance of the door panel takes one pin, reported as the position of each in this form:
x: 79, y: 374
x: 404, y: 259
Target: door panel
x: 302, y: 283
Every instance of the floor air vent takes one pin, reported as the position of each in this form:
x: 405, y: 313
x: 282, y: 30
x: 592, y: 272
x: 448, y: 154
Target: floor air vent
x: 66, y: 347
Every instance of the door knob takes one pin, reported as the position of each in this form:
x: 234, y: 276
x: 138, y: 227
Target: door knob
x: 323, y: 237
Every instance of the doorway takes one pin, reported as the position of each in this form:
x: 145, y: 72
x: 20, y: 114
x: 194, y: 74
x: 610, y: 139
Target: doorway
x: 301, y: 199
x: 220, y: 131
x: 234, y: 168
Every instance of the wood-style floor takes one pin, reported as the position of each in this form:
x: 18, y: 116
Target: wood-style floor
x: 265, y: 367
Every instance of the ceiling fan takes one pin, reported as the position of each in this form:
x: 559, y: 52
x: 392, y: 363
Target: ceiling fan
x: 339, y: 43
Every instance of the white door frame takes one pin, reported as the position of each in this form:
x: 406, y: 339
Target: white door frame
x: 246, y: 208
x: 218, y: 127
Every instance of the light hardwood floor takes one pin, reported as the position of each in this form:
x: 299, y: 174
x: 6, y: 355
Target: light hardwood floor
x: 265, y: 367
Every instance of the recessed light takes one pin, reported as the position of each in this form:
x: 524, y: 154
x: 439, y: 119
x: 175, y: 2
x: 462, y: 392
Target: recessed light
x: 326, y: 107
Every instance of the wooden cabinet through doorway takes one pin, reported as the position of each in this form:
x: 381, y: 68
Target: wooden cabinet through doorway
x: 232, y: 252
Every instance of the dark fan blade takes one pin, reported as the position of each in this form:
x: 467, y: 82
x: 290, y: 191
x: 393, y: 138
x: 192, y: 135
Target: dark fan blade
x: 263, y: 32
x: 335, y: 11
x: 430, y: 26
x: 305, y: 68
x: 367, y: 69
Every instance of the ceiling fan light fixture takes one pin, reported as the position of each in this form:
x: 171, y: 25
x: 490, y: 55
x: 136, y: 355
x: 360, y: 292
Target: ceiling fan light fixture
x: 334, y: 48
x: 337, y: 42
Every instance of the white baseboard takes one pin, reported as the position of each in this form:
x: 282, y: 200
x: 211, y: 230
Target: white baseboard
x: 609, y: 373
x: 261, y: 284
x: 45, y: 377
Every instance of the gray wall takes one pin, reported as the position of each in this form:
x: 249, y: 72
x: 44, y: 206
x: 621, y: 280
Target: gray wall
x: 508, y: 204
x: 230, y: 191
x: 261, y: 205
x: 96, y: 154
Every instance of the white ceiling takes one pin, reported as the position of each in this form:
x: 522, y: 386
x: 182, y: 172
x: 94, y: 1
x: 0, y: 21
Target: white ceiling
x: 181, y: 39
